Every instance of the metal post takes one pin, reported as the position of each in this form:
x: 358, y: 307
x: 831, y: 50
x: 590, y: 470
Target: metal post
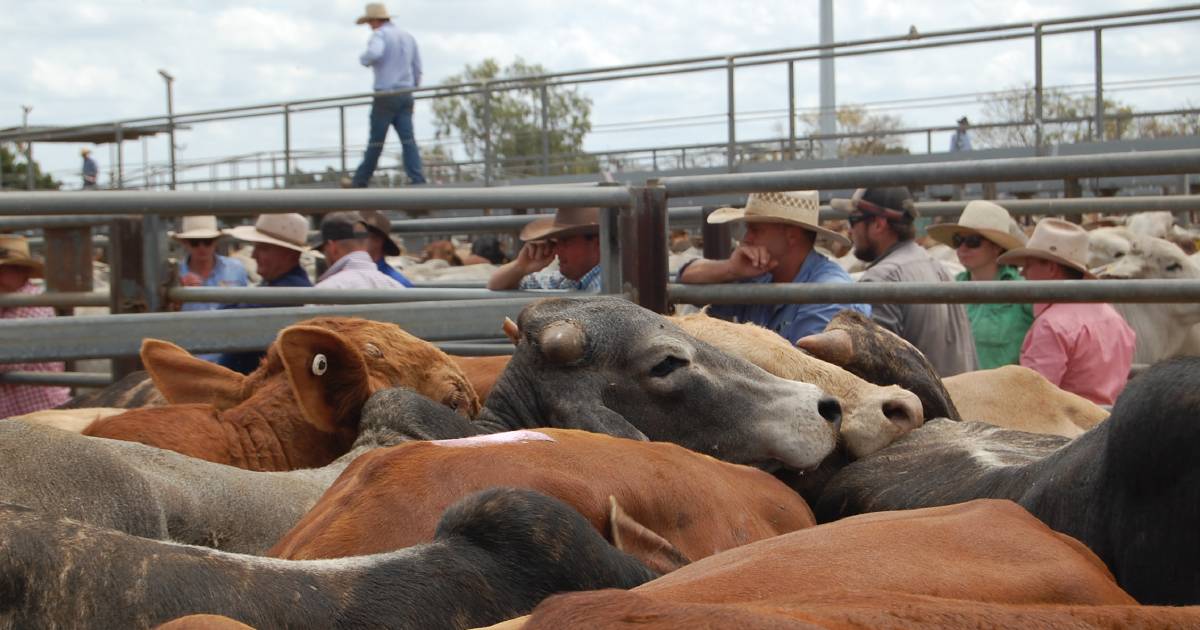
x: 1099, y: 64
x: 545, y: 130
x: 654, y: 160
x: 928, y: 141
x: 791, y: 110
x: 287, y: 146
x: 145, y: 165
x: 120, y: 134
x: 610, y: 251
x: 718, y: 243
x: 1037, y: 89
x: 644, y: 247
x: 170, y: 122
x: 730, y: 149
x: 342, y: 135
x: 25, y: 109
x: 828, y: 116
x: 153, y: 253
x: 487, y: 135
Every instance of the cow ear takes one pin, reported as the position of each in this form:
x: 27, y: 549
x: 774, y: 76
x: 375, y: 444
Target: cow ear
x: 183, y: 378
x: 328, y: 376
x: 511, y: 331
x: 831, y: 346
x: 639, y: 541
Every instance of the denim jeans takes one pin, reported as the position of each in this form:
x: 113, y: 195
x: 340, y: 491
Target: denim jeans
x: 391, y: 111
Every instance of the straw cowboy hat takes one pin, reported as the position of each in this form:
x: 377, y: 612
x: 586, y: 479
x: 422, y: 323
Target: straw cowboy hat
x: 289, y: 231
x: 1055, y: 240
x: 198, y: 227
x: 374, y: 11
x: 379, y: 224
x: 801, y: 208
x: 566, y: 222
x: 14, y: 250
x: 84, y: 151
x: 986, y: 219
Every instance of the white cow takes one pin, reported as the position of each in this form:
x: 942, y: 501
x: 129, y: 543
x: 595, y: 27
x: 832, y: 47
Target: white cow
x: 1163, y: 330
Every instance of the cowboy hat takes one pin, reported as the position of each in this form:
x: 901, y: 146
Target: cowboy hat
x: 566, y: 222
x: 963, y: 121
x: 340, y: 226
x: 198, y: 227
x: 1055, y: 240
x: 14, y: 250
x: 374, y: 11
x: 289, y: 231
x: 984, y: 218
x: 84, y: 151
x: 379, y: 224
x: 893, y: 203
x: 800, y: 208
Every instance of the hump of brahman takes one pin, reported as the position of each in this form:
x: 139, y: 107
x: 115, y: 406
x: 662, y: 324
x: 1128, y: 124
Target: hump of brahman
x: 663, y: 503
x: 609, y: 366
x: 495, y: 555
x: 1127, y: 488
x: 299, y: 409
x: 1016, y: 397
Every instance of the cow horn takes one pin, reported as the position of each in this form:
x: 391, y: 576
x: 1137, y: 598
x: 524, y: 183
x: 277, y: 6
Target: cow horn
x: 562, y: 342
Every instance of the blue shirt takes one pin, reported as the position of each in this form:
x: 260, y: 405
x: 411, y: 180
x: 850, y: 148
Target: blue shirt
x: 391, y: 272
x: 226, y: 272
x: 247, y: 362
x: 792, y: 321
x: 555, y: 280
x: 393, y: 55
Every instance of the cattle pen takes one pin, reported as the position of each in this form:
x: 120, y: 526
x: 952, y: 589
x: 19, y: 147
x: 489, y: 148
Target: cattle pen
x: 634, y: 228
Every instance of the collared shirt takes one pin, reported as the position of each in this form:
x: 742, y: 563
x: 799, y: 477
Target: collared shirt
x: 555, y: 280
x: 355, y: 270
x: 21, y: 399
x: 1086, y: 349
x: 792, y: 321
x: 392, y: 54
x: 246, y: 362
x: 999, y: 329
x: 941, y: 332
x: 226, y: 272
x: 392, y: 273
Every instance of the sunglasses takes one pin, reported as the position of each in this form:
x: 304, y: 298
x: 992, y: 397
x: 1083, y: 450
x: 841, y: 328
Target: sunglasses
x: 970, y: 240
x: 855, y: 219
x: 201, y: 241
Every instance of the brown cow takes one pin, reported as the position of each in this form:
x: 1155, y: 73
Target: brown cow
x: 441, y: 250
x: 669, y: 497
x: 276, y: 418
x: 203, y: 622
x: 982, y: 551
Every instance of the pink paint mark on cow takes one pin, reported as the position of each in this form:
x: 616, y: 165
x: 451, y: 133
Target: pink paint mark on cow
x: 507, y: 437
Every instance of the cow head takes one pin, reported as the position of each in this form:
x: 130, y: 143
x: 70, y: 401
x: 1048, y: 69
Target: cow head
x: 330, y: 367
x: 1108, y: 244
x: 606, y: 365
x: 874, y: 353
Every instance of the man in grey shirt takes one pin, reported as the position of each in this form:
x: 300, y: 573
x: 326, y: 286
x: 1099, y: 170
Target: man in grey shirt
x: 881, y: 226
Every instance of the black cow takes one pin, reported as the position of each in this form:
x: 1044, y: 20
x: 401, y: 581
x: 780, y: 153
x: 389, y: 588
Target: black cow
x: 495, y: 555
x: 1128, y: 488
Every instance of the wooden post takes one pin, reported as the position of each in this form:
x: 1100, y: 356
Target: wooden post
x: 643, y: 232
x: 129, y: 293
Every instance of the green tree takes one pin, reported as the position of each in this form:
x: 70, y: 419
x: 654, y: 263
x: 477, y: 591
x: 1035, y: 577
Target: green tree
x: 13, y: 173
x: 879, y: 132
x: 1019, y: 105
x: 516, y: 119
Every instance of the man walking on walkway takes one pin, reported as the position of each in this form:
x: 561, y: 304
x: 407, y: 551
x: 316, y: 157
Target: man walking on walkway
x: 393, y: 56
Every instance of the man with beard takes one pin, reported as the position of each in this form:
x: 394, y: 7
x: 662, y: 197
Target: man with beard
x: 881, y: 226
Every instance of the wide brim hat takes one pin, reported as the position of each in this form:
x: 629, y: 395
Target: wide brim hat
x: 801, y: 208
x: 379, y: 224
x: 289, y: 231
x: 565, y: 222
x: 339, y: 226
x: 1055, y: 240
x: 986, y: 219
x: 84, y: 151
x: 374, y: 11
x: 198, y: 227
x: 14, y: 250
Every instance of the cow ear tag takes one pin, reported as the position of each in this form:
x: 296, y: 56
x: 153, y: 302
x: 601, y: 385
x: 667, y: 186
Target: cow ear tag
x: 319, y: 365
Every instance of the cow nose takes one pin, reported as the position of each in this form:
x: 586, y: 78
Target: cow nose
x: 905, y: 411
x: 830, y: 409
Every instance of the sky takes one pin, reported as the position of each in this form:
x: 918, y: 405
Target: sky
x: 90, y: 62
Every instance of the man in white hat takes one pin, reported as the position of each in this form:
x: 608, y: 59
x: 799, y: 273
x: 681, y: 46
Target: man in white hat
x: 572, y: 236
x: 1086, y: 349
x: 203, y: 266
x: 91, y: 172
x: 16, y: 268
x: 984, y: 232
x: 279, y: 240
x: 393, y: 56
x: 781, y: 229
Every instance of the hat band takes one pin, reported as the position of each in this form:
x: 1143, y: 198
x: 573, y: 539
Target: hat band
x: 874, y: 208
x: 280, y: 237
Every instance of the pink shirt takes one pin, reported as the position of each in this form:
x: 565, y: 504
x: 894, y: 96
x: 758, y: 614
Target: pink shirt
x: 16, y: 400
x: 1086, y: 349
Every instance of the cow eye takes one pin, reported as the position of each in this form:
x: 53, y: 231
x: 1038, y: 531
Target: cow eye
x: 666, y: 366
x: 1119, y: 255
x: 1175, y: 267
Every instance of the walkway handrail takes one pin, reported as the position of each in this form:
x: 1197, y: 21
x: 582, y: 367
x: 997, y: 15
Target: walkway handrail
x: 276, y: 296
x: 983, y: 292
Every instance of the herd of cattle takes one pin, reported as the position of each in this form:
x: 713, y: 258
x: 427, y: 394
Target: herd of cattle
x: 621, y: 468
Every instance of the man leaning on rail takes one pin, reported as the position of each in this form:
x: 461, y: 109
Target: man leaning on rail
x: 781, y: 230
x: 573, y: 236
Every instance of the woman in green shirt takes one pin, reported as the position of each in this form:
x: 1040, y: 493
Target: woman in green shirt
x: 983, y: 232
